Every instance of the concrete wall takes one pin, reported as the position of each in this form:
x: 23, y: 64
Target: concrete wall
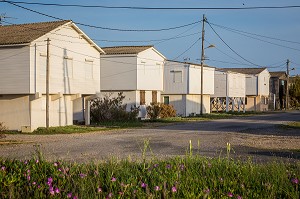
x: 14, y: 70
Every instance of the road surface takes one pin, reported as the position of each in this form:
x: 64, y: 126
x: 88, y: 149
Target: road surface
x: 258, y: 137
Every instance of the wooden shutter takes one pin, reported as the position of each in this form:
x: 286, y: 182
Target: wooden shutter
x: 142, y: 97
x: 154, y: 96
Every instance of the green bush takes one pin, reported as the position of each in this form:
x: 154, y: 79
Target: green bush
x: 109, y: 108
x: 160, y: 110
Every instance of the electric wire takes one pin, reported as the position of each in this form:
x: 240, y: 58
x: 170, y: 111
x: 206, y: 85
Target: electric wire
x: 187, y: 48
x: 154, y: 8
x: 105, y: 28
x: 230, y: 47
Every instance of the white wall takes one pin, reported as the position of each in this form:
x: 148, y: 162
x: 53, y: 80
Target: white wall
x: 150, y: 70
x: 14, y: 111
x: 251, y: 85
x: 118, y: 72
x: 14, y: 70
x: 263, y: 82
x: 191, y: 79
x: 236, y: 85
x: 172, y: 86
x: 71, y: 59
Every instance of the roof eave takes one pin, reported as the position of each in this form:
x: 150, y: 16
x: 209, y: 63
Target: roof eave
x: 13, y: 45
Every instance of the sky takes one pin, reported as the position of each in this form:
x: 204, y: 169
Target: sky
x: 243, y: 38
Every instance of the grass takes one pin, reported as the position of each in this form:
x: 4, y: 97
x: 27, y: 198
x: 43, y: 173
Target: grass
x: 291, y: 125
x: 179, y: 177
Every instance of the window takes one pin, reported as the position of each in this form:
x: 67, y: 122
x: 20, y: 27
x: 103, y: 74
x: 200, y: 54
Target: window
x: 246, y: 100
x: 88, y: 69
x: 154, y: 96
x: 177, y: 78
x: 43, y: 64
x: 166, y: 99
x: 68, y: 67
x: 142, y: 97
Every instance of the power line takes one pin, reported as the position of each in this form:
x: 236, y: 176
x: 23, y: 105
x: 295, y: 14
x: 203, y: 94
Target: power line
x: 231, y: 29
x: 188, y: 48
x: 240, y: 33
x: 230, y: 47
x: 155, y: 8
x: 104, y: 28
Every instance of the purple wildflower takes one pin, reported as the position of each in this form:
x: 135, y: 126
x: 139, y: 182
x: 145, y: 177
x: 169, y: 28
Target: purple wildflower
x: 34, y: 183
x: 168, y: 166
x: 51, y: 191
x: 121, y: 193
x: 156, y: 188
x: 82, y: 175
x: 206, y: 191
x: 37, y: 161
x: 295, y: 181
x: 55, y: 164
x: 144, y: 185
x: 50, y: 180
x: 99, y: 190
x: 230, y: 195
x: 174, y: 189
x: 239, y: 197
x: 69, y: 195
x: 182, y: 167
x: 113, y: 179
x: 25, y: 162
x: 75, y: 197
x: 3, y: 168
x: 109, y: 195
x: 28, y: 177
x: 155, y: 165
x: 57, y: 190
x: 39, y: 186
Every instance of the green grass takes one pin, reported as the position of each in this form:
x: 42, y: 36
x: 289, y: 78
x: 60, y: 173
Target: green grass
x: 180, y: 177
x: 291, y: 125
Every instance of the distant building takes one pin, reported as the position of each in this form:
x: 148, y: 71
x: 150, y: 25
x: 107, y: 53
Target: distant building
x: 74, y: 74
x: 137, y: 71
x: 257, y: 87
x: 182, y: 87
x: 230, y: 91
x: 278, y: 85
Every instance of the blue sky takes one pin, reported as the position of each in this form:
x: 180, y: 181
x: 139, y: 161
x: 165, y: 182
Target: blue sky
x: 281, y: 24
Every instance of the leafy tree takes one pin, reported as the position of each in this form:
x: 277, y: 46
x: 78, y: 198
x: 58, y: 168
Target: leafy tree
x: 294, y: 93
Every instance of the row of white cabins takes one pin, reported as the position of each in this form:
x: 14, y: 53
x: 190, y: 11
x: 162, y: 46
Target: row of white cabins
x: 80, y: 70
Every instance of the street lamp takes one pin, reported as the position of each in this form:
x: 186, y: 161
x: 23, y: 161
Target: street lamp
x: 202, y: 63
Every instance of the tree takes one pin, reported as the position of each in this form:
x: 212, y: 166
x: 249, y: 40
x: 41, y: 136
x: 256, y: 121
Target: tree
x: 294, y: 92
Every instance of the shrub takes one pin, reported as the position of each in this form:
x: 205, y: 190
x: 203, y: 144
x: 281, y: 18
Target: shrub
x: 160, y: 110
x: 109, y: 108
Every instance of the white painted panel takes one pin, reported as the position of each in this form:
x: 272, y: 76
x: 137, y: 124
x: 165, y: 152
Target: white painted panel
x: 66, y: 52
x: 195, y: 80
x: 118, y: 72
x: 170, y: 86
x: 220, y: 84
x: 251, y: 85
x: 264, y: 79
x: 150, y: 68
x: 14, y: 70
x: 236, y: 85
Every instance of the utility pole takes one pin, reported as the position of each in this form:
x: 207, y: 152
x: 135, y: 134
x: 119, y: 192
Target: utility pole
x: 287, y: 84
x: 47, y: 83
x: 202, y: 62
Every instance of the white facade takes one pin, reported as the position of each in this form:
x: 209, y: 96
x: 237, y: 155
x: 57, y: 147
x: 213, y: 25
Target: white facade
x: 182, y: 86
x: 134, y: 74
x: 74, y: 68
x: 229, y: 84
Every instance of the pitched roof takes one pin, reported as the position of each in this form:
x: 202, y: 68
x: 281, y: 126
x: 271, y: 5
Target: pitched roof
x: 251, y: 71
x: 118, y: 50
x: 26, y: 33
x: 278, y: 74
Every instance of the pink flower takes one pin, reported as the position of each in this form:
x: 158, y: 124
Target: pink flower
x: 57, y: 190
x: 50, y: 180
x: 144, y: 185
x: 51, y: 191
x: 55, y: 164
x: 109, y: 195
x: 99, y: 189
x: 113, y: 179
x: 239, y: 197
x: 168, y: 166
x: 295, y: 181
x: 75, y: 197
x: 156, y: 188
x: 82, y: 175
x: 69, y: 195
x: 3, y: 168
x: 206, y: 190
x: 174, y: 189
x: 36, y: 161
x: 34, y: 183
x: 230, y: 195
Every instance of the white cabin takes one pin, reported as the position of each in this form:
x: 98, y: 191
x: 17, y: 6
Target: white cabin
x: 230, y: 91
x: 257, y: 87
x: 74, y: 74
x: 182, y: 87
x: 137, y: 71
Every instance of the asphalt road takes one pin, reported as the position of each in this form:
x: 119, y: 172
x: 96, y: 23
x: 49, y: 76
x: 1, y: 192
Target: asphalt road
x: 257, y: 137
